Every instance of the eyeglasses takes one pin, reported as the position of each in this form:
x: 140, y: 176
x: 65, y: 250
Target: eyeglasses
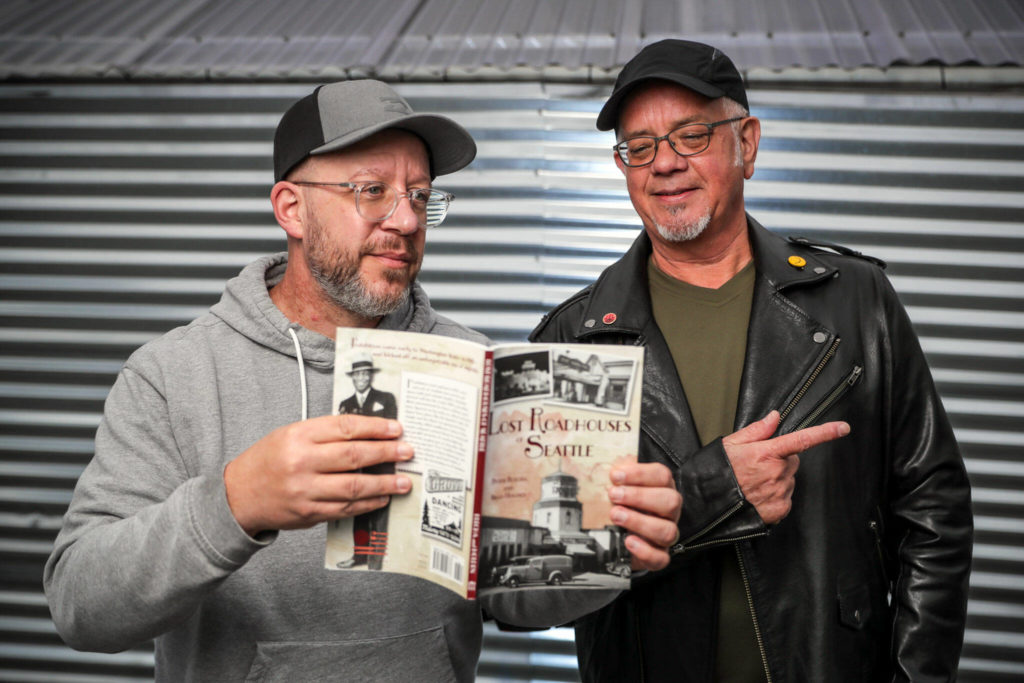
x: 686, y: 140
x: 376, y: 201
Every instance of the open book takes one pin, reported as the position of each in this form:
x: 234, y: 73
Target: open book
x: 514, y: 444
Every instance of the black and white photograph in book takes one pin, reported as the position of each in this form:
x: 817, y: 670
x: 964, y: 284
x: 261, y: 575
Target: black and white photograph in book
x: 366, y: 399
x: 592, y: 380
x: 523, y: 375
x: 553, y: 548
x: 444, y: 503
x: 369, y: 530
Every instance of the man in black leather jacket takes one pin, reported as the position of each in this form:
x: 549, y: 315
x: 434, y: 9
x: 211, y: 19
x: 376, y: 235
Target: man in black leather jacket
x: 848, y: 557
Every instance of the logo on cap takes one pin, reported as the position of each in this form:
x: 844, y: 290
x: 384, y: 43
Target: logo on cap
x: 396, y: 105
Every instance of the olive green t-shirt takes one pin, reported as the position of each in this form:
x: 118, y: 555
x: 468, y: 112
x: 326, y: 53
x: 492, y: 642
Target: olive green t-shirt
x: 706, y: 332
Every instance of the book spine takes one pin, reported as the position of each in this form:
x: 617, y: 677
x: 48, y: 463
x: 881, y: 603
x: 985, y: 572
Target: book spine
x: 478, y: 486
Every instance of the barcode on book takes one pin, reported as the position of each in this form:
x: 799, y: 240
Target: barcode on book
x: 446, y: 564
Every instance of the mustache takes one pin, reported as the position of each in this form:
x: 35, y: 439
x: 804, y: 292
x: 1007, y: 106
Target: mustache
x: 392, y: 243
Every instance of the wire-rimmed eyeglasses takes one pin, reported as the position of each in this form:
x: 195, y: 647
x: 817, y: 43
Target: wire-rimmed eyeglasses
x: 686, y: 140
x: 376, y: 201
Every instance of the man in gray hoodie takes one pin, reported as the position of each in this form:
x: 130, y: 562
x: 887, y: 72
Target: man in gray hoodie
x: 198, y: 521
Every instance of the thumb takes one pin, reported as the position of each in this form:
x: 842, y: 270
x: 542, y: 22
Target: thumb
x: 755, y: 431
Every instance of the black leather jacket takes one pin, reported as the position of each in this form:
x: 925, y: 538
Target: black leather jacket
x: 882, y: 512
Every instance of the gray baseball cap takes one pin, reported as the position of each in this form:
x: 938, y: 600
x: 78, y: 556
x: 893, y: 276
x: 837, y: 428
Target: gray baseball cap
x: 337, y: 115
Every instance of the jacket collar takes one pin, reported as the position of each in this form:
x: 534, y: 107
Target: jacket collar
x: 620, y: 303
x: 783, y: 264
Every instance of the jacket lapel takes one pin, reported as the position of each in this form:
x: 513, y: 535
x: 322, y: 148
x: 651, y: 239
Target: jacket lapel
x: 621, y: 305
x: 784, y: 343
x: 663, y: 388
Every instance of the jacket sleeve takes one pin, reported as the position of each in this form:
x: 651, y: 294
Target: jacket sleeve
x: 718, y: 513
x: 143, y: 540
x: 931, y: 529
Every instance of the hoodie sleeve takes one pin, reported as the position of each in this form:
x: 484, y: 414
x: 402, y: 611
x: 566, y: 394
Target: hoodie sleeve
x: 144, y: 540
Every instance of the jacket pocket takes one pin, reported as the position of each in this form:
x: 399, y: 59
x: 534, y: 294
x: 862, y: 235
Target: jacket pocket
x: 832, y: 397
x: 854, y: 603
x: 859, y: 640
x: 421, y: 656
x: 878, y: 532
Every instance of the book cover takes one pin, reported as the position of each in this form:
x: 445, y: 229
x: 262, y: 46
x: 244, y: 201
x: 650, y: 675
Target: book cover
x: 562, y: 416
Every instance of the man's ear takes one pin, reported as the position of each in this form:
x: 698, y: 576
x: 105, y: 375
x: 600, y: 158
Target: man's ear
x: 750, y: 138
x: 618, y: 162
x: 286, y: 199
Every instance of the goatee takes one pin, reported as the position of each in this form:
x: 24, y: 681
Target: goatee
x: 684, y: 232
x: 342, y: 282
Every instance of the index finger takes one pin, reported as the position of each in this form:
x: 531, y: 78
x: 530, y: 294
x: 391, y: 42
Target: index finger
x: 804, y: 439
x: 352, y: 428
x: 641, y: 474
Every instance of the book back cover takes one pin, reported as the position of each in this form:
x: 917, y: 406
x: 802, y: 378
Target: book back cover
x: 432, y: 385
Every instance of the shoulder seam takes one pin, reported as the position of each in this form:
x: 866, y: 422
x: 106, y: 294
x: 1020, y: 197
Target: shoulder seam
x: 837, y: 248
x: 550, y: 315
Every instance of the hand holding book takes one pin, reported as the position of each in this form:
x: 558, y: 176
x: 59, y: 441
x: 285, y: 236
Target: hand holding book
x: 305, y: 473
x: 648, y: 505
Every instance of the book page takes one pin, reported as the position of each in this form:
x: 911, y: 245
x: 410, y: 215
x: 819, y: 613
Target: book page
x: 433, y: 384
x: 561, y: 417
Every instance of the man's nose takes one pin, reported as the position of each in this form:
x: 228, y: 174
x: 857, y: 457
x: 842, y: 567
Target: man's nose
x: 666, y: 160
x: 403, y: 219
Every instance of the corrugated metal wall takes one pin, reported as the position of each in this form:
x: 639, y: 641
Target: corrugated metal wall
x: 476, y: 40
x: 124, y: 208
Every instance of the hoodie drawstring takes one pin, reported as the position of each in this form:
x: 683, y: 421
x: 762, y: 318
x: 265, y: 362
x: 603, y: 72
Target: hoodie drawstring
x: 302, y: 370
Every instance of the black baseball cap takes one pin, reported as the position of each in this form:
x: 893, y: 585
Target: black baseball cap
x: 337, y: 115
x: 699, y: 67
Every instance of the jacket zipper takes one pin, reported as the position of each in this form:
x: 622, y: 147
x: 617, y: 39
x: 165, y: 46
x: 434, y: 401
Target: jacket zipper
x: 753, y: 615
x: 833, y: 396
x: 810, y: 380
x: 827, y: 403
x: 685, y: 545
x: 877, y: 531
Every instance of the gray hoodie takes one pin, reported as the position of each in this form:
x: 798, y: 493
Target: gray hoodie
x: 150, y: 549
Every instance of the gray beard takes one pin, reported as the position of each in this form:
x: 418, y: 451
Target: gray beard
x: 685, y: 232
x: 344, y: 287
x: 342, y: 283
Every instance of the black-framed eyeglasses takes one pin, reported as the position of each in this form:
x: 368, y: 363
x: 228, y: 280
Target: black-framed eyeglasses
x: 376, y: 201
x: 686, y: 140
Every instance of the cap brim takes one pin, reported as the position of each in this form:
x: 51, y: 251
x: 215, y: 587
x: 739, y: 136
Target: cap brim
x: 609, y: 115
x: 450, y: 145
